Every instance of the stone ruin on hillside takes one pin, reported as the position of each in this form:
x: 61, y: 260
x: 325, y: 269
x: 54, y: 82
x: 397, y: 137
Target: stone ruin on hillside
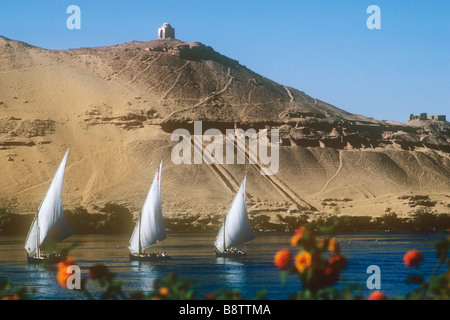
x: 424, y: 116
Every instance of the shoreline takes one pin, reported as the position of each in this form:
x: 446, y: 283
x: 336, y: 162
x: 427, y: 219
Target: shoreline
x: 118, y: 220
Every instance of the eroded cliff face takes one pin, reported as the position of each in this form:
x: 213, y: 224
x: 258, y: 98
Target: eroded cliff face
x: 349, y: 135
x: 116, y: 107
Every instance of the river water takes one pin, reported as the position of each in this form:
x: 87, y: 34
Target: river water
x: 193, y: 259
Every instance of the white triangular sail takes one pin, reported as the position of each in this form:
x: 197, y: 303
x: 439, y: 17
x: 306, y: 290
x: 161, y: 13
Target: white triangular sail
x: 49, y: 225
x: 150, y: 227
x: 236, y: 228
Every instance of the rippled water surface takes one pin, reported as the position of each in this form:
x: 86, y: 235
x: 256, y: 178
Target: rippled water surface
x: 193, y: 259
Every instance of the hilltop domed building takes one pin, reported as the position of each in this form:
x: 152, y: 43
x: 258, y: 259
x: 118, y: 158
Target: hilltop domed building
x: 166, y: 32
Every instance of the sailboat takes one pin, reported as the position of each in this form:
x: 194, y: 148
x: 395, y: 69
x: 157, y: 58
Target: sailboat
x: 235, y: 229
x: 150, y: 227
x: 49, y: 225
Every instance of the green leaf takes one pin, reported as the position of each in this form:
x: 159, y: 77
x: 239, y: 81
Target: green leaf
x: 283, y: 276
x: 442, y: 249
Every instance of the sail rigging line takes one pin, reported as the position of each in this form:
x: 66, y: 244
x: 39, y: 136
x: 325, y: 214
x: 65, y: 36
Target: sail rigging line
x: 139, y: 234
x: 224, y: 233
x: 38, y: 231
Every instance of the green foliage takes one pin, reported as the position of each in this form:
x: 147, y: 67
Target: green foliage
x: 194, y: 223
x: 84, y: 222
x: 11, y: 223
x: 425, y: 221
x: 317, y: 264
x: 330, y: 293
x: 293, y: 222
x: 172, y: 288
x: 334, y: 224
x: 101, y: 276
x: 438, y: 286
x: 263, y: 222
x: 317, y: 283
x: 118, y: 218
x: 112, y: 219
x: 5, y: 217
x: 9, y: 292
x: 422, y: 220
x: 391, y: 221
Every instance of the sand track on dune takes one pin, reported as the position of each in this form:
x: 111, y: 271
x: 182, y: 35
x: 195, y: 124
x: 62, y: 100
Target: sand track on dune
x: 335, y: 174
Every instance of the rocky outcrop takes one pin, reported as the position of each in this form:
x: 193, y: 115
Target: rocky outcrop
x: 125, y: 122
x: 346, y: 135
x: 418, y: 200
x: 17, y: 132
x: 131, y: 120
x: 195, y: 51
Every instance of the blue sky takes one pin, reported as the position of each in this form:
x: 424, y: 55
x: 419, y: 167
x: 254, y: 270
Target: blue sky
x: 321, y: 47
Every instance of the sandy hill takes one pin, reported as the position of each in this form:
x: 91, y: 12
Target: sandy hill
x: 116, y: 107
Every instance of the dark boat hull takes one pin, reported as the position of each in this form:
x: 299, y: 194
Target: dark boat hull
x: 48, y: 258
x: 148, y: 257
x: 230, y: 254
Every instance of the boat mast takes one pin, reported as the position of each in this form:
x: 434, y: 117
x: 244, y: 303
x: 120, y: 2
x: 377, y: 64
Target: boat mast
x: 38, y: 232
x: 224, y: 219
x: 139, y: 233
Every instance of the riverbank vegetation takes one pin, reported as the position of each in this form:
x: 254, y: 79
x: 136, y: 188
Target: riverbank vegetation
x: 114, y: 218
x: 420, y: 221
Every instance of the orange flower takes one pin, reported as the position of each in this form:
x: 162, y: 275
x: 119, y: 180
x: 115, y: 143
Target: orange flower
x: 164, y: 291
x: 377, y: 295
x: 283, y: 259
x: 300, y: 234
x: 62, y: 274
x: 321, y: 243
x: 333, y: 246
x: 413, y: 258
x: 303, y: 261
x: 14, y: 297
